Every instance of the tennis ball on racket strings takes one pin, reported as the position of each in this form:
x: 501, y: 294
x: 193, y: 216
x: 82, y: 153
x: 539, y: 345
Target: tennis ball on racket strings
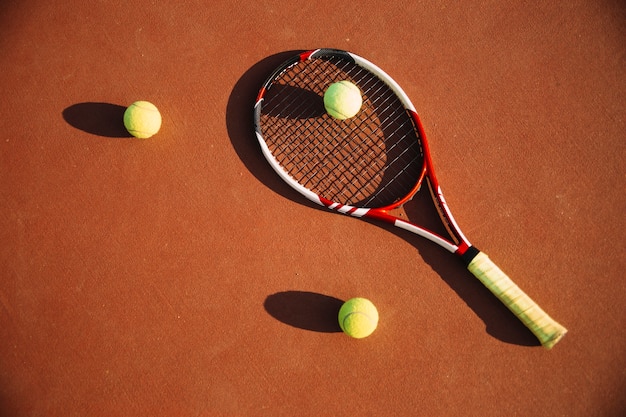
x: 343, y: 100
x: 142, y: 119
x: 358, y: 317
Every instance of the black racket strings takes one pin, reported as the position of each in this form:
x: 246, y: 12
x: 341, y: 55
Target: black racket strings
x: 371, y: 160
x: 357, y: 168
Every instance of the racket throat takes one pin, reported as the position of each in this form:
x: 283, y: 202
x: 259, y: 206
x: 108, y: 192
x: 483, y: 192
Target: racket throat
x: 446, y: 217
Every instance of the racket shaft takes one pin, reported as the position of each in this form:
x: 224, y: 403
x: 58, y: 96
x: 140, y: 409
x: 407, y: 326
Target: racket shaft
x: 548, y: 331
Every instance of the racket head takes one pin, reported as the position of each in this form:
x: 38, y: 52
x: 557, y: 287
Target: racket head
x: 375, y: 160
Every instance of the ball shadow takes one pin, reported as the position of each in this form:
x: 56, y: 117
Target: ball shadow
x: 300, y: 309
x: 305, y: 310
x: 102, y: 119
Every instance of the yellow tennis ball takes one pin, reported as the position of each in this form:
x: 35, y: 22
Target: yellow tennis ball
x: 343, y: 100
x: 358, y: 317
x: 142, y: 119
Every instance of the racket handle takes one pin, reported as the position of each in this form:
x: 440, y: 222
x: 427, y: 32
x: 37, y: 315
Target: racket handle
x: 548, y: 331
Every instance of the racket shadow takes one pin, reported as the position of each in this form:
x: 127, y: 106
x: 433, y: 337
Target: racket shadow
x: 499, y: 322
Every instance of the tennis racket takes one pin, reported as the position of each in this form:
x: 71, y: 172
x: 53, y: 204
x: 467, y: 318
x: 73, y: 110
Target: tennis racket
x: 371, y: 164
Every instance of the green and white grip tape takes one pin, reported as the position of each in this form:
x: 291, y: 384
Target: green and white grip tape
x: 548, y: 331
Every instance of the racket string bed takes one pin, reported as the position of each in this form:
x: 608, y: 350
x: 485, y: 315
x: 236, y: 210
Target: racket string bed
x: 348, y: 162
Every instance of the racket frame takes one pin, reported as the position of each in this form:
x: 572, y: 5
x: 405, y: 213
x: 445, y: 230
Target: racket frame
x: 459, y: 245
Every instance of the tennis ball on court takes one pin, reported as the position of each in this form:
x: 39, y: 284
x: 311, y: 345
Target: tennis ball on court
x: 142, y: 119
x: 358, y: 317
x: 343, y: 100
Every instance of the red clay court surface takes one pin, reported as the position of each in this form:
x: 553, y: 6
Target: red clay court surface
x: 179, y: 276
